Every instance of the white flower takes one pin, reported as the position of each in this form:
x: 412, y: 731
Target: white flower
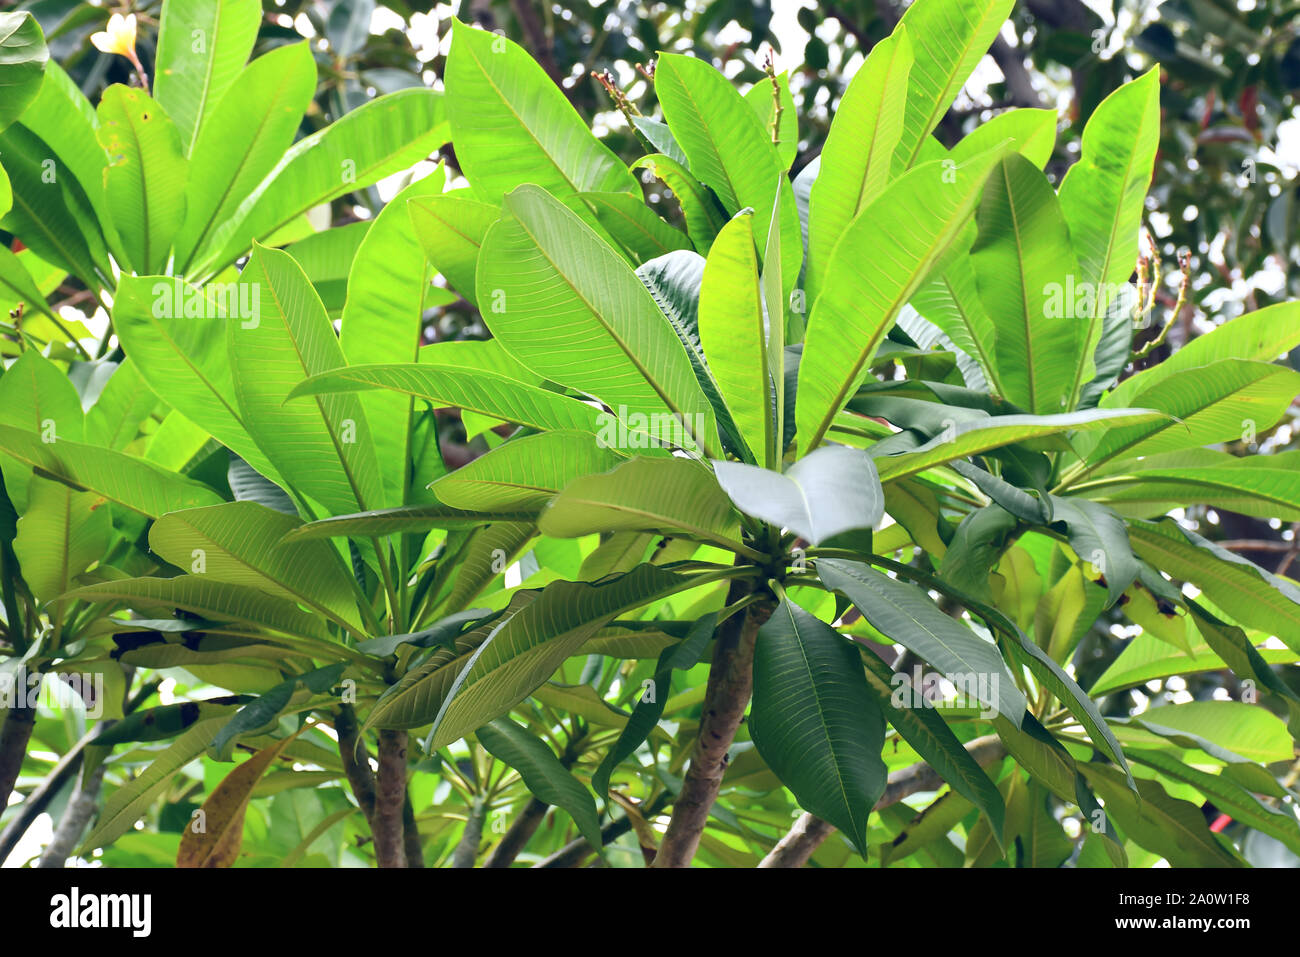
x: 119, y: 37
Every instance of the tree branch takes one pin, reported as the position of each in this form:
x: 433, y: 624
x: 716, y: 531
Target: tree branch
x: 81, y: 809
x: 411, y: 835
x: 390, y: 796
x: 575, y: 852
x: 730, y: 682
x: 360, y: 776
x: 808, y: 832
x: 467, y: 850
x: 17, y: 731
x: 517, y: 837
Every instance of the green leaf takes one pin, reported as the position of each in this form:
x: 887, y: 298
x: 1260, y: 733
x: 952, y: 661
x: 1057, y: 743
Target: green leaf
x: 408, y: 518
x: 856, y: 159
x: 231, y: 155
x: 23, y: 56
x: 1262, y: 335
x: 444, y: 631
x: 1021, y: 255
x: 472, y: 389
x: 383, y: 322
x: 175, y: 335
x: 975, y: 548
x: 50, y: 209
x: 1102, y: 195
x: 321, y: 445
x: 926, y: 731
x: 732, y: 334
x: 675, y: 281
x: 949, y: 39
x: 451, y: 229
x: 672, y: 495
x: 681, y: 656
x: 60, y: 535
x: 209, y: 598
x: 1173, y: 828
x: 639, y: 232
x: 1228, y: 797
x: 864, y: 294
x: 135, y: 483
x: 1214, y: 405
x: 266, y: 707
x: 553, y: 284
x: 703, y: 213
x: 1244, y: 485
x: 545, y: 777
x: 1032, y: 130
x: 496, y: 666
x: 202, y: 45
x: 1099, y: 537
x: 833, y: 490
x: 729, y: 150
x: 525, y: 473
x: 511, y: 125
x: 37, y: 397
x: 1252, y: 596
x: 382, y: 136
x: 115, y: 419
x: 1249, y: 730
x: 147, y: 175
x: 815, y: 722
x: 128, y: 804
x: 1147, y: 657
x: 906, y: 614
x: 240, y: 543
x: 981, y: 435
x: 1231, y: 644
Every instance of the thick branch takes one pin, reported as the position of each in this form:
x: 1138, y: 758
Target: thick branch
x: 17, y: 731
x: 730, y: 681
x: 390, y: 796
x: 808, y: 831
x: 466, y: 852
x: 1020, y: 88
x: 411, y: 834
x: 79, y: 812
x: 517, y: 837
x: 537, y: 39
x: 356, y: 759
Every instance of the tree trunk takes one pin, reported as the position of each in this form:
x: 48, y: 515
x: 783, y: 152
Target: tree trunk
x: 516, y: 839
x: 390, y: 796
x: 731, y: 677
x: 17, y: 731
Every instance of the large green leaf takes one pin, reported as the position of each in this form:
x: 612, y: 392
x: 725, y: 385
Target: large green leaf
x: 408, y: 518
x: 473, y: 389
x: 209, y: 599
x: 383, y: 322
x: 37, y: 397
x: 703, y: 213
x: 638, y: 231
x: 906, y: 614
x: 949, y: 38
x: 1262, y: 335
x: 1099, y: 537
x: 496, y: 666
x: 176, y: 337
x: 1246, y: 486
x: 50, y: 210
x: 670, y: 495
x: 231, y: 155
x: 524, y: 473
x: 124, y: 479
x: 545, y: 777
x: 322, y: 444
x: 566, y: 305
x: 23, y: 56
x: 202, y: 44
x: 451, y: 230
x: 917, y: 217
x: 857, y: 157
x: 1102, y: 195
x: 815, y: 722
x: 926, y: 731
x: 833, y: 490
x: 731, y: 329
x: 145, y: 182
x: 1221, y: 402
x: 728, y: 148
x: 240, y: 543
x: 60, y: 535
x: 511, y: 125
x: 981, y: 435
x: 381, y: 137
x: 1251, y: 595
x: 1021, y: 255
